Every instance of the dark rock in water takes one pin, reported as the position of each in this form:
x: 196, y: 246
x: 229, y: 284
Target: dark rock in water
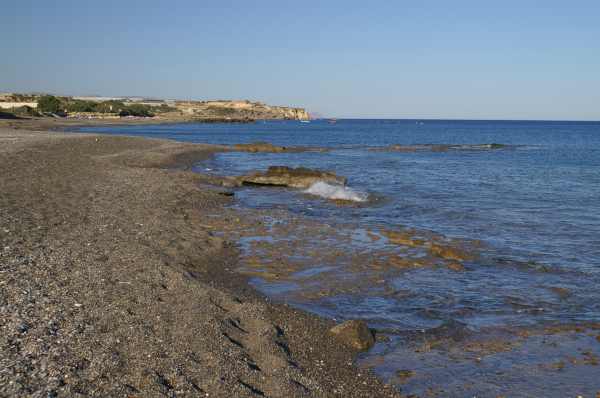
x: 448, y: 252
x: 456, y: 266
x: 561, y: 292
x: 259, y: 147
x: 289, y: 177
x: 450, y: 329
x: 403, y: 375
x: 268, y: 147
x: 354, y: 333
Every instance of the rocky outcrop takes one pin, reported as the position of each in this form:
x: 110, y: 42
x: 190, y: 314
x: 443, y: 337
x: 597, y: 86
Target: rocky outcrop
x: 355, y: 334
x: 239, y: 110
x: 290, y: 177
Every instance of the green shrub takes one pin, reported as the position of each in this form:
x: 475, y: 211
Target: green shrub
x: 49, y: 104
x: 221, y: 111
x: 80, y: 106
x: 111, y: 106
x: 165, y: 108
x: 137, y: 110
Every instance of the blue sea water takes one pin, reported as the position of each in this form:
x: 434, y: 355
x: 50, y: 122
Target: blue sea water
x: 534, y: 204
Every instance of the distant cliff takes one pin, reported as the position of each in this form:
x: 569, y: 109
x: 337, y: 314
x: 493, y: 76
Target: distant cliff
x: 239, y: 110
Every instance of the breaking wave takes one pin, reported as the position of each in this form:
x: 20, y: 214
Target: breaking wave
x: 336, y: 192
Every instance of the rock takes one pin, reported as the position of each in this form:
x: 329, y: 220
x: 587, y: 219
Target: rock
x: 561, y: 292
x: 259, y: 147
x: 449, y: 252
x: 289, y: 177
x: 403, y: 375
x: 404, y: 238
x: 454, y: 266
x: 354, y: 333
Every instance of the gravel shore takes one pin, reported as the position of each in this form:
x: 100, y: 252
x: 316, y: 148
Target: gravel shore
x: 110, y: 284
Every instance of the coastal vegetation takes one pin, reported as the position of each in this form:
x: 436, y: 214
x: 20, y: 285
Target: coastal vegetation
x: 101, y: 107
x: 49, y: 104
x: 52, y: 104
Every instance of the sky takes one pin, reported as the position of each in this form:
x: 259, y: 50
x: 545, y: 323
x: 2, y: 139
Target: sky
x: 372, y: 59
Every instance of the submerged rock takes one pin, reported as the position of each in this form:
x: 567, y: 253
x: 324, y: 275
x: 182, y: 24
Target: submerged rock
x: 456, y: 266
x: 404, y: 374
x: 354, y: 333
x: 403, y: 238
x: 290, y: 177
x: 450, y: 252
x: 268, y: 147
x: 259, y: 147
x: 561, y: 292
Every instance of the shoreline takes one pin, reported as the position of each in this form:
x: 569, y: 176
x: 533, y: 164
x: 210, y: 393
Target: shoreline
x: 129, y: 292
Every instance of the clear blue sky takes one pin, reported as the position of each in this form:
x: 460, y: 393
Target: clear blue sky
x: 445, y: 59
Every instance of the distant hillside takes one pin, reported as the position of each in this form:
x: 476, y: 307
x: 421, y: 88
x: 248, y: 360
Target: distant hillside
x: 195, y: 110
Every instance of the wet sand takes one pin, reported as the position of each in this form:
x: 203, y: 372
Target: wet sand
x: 113, y: 283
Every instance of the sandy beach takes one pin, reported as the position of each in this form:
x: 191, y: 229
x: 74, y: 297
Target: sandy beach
x: 113, y: 283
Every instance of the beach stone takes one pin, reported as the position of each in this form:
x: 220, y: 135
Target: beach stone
x: 300, y: 177
x: 354, y: 333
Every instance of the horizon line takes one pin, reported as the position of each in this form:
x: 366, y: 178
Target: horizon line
x: 458, y: 119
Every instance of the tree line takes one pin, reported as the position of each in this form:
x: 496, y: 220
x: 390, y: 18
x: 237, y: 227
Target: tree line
x: 58, y: 105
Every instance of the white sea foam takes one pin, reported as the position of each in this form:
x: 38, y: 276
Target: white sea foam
x: 336, y: 192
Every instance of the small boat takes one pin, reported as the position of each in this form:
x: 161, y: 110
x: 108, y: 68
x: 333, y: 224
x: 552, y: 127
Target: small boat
x: 304, y: 121
x: 332, y: 121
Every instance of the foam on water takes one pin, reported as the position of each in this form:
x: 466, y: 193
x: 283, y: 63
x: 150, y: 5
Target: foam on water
x: 336, y: 192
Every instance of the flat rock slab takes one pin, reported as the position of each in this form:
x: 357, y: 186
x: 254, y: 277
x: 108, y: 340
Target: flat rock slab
x: 259, y: 147
x: 290, y: 177
x: 256, y: 147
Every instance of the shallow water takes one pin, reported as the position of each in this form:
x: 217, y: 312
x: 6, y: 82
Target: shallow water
x: 527, y: 216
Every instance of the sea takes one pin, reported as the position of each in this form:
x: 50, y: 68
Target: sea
x: 512, y: 308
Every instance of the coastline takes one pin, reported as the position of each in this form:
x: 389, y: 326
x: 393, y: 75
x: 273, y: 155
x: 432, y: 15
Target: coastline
x: 114, y: 285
